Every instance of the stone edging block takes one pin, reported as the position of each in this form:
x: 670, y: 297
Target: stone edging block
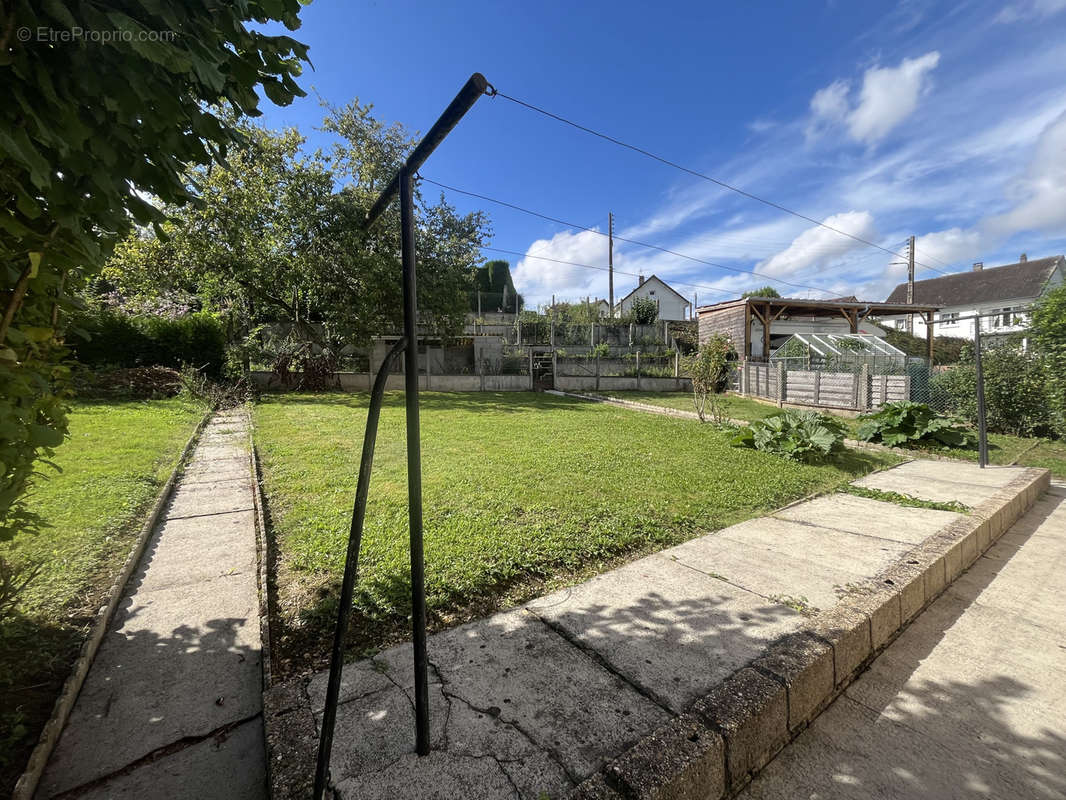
x: 759, y: 708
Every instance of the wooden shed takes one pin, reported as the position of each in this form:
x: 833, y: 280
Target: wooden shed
x: 761, y: 320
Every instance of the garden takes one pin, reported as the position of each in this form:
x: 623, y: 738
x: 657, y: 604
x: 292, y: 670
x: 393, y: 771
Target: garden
x: 521, y: 492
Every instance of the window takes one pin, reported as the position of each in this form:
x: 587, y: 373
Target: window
x: 1009, y: 316
x: 949, y: 318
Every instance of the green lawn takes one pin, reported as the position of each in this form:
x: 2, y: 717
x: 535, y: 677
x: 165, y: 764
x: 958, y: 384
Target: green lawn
x: 520, y: 490
x: 1002, y: 449
x: 117, y: 457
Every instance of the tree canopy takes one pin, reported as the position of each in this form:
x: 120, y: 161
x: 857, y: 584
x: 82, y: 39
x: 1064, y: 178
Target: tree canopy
x: 90, y: 130
x: 765, y: 291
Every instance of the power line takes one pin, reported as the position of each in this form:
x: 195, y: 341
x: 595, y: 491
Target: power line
x: 605, y: 269
x: 698, y: 174
x: 667, y: 250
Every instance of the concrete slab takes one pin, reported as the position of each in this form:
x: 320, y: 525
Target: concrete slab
x: 860, y: 515
x: 180, y: 666
x: 672, y: 630
x: 515, y: 668
x: 229, y: 766
x: 942, y: 481
x: 967, y: 702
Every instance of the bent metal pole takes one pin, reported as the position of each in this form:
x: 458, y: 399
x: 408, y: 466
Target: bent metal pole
x: 402, y: 184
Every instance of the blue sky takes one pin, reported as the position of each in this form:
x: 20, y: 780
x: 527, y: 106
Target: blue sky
x: 946, y: 121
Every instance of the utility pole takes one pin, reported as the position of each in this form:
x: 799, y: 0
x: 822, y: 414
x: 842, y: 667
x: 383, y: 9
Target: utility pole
x: 610, y: 261
x: 910, y: 283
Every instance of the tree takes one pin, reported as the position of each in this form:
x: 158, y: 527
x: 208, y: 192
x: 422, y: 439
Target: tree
x: 493, y: 280
x: 90, y: 129
x: 765, y: 291
x: 708, y: 369
x: 644, y: 310
x: 1049, y: 341
x: 274, y: 242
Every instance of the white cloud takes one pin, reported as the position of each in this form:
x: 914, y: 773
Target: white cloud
x: 950, y: 246
x: 818, y: 244
x: 1040, y: 193
x: 538, y: 279
x: 1034, y: 9
x: 888, y: 96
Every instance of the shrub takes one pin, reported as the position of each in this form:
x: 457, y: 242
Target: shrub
x: 905, y: 423
x: 1049, y: 343
x: 804, y: 436
x: 1018, y: 392
x: 708, y: 370
x: 644, y: 310
x: 113, y: 339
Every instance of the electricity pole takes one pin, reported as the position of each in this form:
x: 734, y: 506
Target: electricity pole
x: 910, y: 283
x: 610, y: 261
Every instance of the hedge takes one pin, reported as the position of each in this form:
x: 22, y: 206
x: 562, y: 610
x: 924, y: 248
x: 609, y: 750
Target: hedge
x: 113, y: 339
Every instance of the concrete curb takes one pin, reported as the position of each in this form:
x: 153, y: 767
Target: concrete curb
x: 755, y: 712
x: 262, y: 555
x: 27, y: 782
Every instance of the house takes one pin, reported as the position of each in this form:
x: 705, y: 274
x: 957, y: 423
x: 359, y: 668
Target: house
x: 1002, y: 292
x: 672, y: 305
x: 603, y: 308
x: 758, y: 325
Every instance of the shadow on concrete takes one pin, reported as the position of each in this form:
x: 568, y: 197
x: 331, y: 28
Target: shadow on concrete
x: 896, y: 733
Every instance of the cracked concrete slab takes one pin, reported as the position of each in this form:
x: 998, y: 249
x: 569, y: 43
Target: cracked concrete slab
x: 181, y: 660
x: 673, y: 630
x: 194, y: 771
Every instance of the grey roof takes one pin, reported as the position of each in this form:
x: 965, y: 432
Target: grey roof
x: 660, y: 280
x: 1024, y: 279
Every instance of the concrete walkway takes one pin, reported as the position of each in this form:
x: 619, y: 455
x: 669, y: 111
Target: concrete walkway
x: 172, y: 704
x: 969, y: 702
x: 531, y: 702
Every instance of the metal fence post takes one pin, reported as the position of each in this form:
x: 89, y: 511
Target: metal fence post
x: 982, y: 422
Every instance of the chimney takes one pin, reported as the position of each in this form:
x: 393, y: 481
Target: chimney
x: 978, y: 266
x: 1023, y: 258
x: 640, y: 279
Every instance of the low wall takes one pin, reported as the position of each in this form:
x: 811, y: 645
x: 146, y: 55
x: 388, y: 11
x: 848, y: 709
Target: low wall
x: 603, y: 383
x: 364, y: 381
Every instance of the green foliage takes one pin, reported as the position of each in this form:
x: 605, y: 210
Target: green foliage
x: 946, y: 349
x: 904, y: 500
x: 114, y: 339
x: 804, y: 436
x: 645, y: 310
x: 903, y: 423
x: 1049, y: 342
x: 1018, y: 390
x: 88, y: 130
x: 709, y: 369
x: 493, y: 280
x: 765, y: 291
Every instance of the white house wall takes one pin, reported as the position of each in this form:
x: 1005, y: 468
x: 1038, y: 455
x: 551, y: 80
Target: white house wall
x: 671, y: 307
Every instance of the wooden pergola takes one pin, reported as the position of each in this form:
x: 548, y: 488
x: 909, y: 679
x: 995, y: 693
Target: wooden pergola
x: 768, y: 309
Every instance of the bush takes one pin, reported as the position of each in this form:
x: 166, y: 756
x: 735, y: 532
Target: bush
x: 1018, y: 397
x: 112, y: 339
x: 905, y: 423
x: 644, y: 310
x: 709, y: 369
x: 805, y: 436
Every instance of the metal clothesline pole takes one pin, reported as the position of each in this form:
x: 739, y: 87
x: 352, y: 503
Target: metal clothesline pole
x: 402, y: 184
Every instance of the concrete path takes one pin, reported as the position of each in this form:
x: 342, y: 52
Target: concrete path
x: 969, y: 702
x: 530, y: 702
x: 172, y: 704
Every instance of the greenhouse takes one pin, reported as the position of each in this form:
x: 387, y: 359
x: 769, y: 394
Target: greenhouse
x: 844, y: 352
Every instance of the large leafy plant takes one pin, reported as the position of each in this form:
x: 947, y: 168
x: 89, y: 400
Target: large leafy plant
x: 804, y: 436
x: 904, y: 423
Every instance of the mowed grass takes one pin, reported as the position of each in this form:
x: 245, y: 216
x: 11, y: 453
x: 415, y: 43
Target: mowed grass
x: 1002, y: 448
x: 113, y: 465
x: 518, y: 488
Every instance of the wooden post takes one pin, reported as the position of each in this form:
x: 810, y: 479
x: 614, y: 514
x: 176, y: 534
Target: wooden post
x: 747, y: 331
x: 555, y: 367
x: 518, y: 324
x: 531, y: 385
x: 638, y: 370
x: 817, y: 387
x: 781, y: 378
x: 766, y: 335
x: 677, y: 363
x: 862, y: 401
